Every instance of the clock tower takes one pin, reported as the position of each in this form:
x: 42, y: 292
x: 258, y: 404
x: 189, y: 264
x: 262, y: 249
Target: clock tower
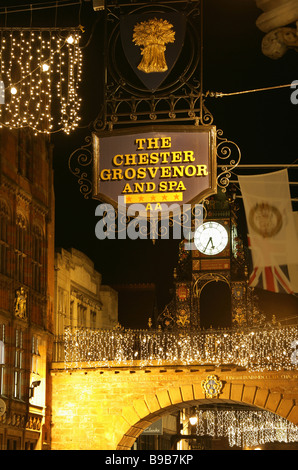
x: 210, y: 281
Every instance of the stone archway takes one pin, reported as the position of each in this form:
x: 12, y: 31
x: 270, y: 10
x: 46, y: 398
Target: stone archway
x: 175, y: 398
x: 108, y: 408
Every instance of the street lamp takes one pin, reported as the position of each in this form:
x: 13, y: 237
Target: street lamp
x: 193, y: 419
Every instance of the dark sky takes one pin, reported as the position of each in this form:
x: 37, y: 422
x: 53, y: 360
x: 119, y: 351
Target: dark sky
x: 264, y: 125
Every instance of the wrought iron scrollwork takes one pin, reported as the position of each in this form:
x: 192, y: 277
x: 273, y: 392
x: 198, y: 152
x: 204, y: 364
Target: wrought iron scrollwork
x: 78, y: 163
x: 179, y: 97
x: 230, y: 153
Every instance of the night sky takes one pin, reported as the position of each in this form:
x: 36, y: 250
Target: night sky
x: 264, y: 125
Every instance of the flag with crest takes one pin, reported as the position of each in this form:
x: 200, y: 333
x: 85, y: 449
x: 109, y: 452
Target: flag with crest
x: 272, y: 234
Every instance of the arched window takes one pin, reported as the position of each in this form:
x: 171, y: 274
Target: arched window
x: 215, y: 305
x: 2, y: 353
x: 37, y: 259
x: 4, y: 224
x: 21, y: 239
x: 25, y: 153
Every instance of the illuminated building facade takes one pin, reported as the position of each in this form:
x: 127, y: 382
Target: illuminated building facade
x: 26, y: 288
x: 81, y: 301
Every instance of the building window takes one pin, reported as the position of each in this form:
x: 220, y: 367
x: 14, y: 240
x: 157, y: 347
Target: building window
x: 4, y: 223
x: 2, y: 360
x: 81, y: 315
x: 37, y: 259
x: 71, y: 307
x: 18, y: 365
x: 25, y: 153
x: 93, y: 319
x: 35, y: 355
x: 21, y: 239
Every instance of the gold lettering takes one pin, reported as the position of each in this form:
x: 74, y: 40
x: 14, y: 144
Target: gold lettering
x: 177, y: 171
x: 140, y: 143
x: 165, y: 172
x: 141, y: 173
x: 190, y: 170
x: 130, y: 174
x: 163, y: 186
x: 188, y: 156
x: 127, y: 189
x: 164, y: 157
x: 117, y: 174
x: 116, y: 158
x: 143, y: 159
x: 202, y: 170
x: 166, y: 142
x: 172, y: 185
x: 138, y: 187
x: 176, y: 157
x: 181, y: 186
x: 130, y: 159
x: 150, y: 187
x: 154, y: 157
x: 105, y: 175
x: 152, y: 143
x: 152, y: 171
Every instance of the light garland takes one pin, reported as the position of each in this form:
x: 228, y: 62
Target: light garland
x: 245, y: 428
x: 271, y: 348
x: 41, y: 71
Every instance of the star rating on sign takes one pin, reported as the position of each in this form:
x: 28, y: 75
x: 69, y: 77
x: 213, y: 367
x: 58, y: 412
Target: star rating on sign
x: 156, y: 197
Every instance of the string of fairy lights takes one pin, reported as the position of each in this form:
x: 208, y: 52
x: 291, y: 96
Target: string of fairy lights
x: 41, y: 70
x: 273, y: 348
x: 245, y: 428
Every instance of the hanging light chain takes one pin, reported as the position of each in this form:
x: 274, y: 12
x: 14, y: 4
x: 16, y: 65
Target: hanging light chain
x: 41, y: 70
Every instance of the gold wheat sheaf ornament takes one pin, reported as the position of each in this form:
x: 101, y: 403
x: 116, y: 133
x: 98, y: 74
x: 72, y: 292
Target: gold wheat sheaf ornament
x: 153, y: 35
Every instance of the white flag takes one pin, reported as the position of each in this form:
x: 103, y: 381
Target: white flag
x: 293, y: 268
x: 271, y: 227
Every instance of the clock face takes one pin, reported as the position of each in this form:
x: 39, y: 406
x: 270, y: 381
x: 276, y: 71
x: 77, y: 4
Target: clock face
x: 211, y: 238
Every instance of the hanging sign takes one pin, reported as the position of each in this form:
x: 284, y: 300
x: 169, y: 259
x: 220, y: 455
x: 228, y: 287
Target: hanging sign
x: 155, y: 166
x: 154, y: 429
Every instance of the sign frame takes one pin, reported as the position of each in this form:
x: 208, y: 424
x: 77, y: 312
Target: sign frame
x: 212, y: 158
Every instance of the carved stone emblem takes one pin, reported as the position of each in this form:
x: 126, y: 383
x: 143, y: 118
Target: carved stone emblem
x: 212, y: 386
x: 20, y: 303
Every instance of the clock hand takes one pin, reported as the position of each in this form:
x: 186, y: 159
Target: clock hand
x: 210, y: 240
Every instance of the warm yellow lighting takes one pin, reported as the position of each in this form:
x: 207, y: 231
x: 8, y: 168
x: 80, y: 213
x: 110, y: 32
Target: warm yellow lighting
x: 45, y: 67
x: 70, y: 39
x: 49, y: 70
x: 193, y: 420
